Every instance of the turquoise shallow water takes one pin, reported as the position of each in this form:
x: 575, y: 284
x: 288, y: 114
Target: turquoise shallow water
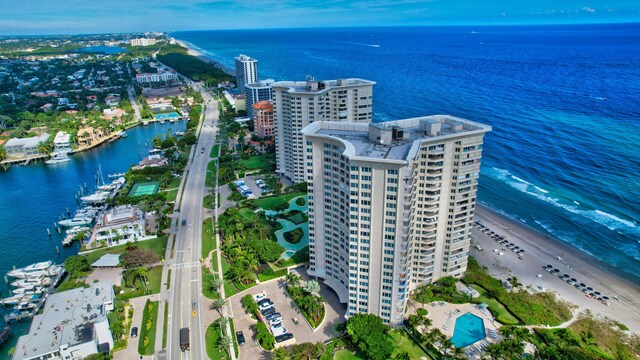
x: 33, y: 197
x: 562, y: 100
x: 468, y: 330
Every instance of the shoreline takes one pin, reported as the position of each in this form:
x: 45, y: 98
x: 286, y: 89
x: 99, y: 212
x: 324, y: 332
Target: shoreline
x: 541, y: 250
x: 191, y: 50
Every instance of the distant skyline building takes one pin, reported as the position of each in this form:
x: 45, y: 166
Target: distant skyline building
x: 297, y: 104
x: 142, y: 42
x: 246, y: 71
x: 391, y: 206
x: 263, y: 122
x: 256, y: 92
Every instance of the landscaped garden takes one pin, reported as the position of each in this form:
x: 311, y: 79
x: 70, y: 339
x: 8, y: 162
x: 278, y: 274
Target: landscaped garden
x: 305, y: 298
x: 294, y: 236
x: 148, y: 329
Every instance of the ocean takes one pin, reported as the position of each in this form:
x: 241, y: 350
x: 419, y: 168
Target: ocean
x: 33, y: 197
x: 563, y: 101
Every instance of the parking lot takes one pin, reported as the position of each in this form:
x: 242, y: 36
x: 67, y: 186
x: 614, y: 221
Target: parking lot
x: 302, y: 332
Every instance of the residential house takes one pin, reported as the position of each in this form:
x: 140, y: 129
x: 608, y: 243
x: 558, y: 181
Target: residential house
x: 120, y: 224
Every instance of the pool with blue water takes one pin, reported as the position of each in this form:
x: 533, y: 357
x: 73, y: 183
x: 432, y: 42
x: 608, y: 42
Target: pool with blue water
x: 468, y: 330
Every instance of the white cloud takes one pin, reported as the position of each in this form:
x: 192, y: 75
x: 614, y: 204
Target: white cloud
x: 588, y: 9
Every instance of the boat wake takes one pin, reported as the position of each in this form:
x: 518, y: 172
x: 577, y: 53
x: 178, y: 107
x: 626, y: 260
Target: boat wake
x: 612, y: 222
x: 357, y: 43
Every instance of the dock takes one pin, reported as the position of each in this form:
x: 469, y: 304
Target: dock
x: 18, y: 316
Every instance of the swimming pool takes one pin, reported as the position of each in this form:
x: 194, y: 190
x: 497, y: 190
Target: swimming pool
x: 468, y: 330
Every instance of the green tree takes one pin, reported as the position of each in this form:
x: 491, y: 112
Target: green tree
x: 218, y: 304
x: 369, y: 334
x: 280, y: 353
x: 77, y: 266
x: 311, y: 286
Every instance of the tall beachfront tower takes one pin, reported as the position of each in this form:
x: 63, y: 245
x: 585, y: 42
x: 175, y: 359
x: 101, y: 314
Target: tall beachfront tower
x: 246, y: 71
x: 257, y: 92
x: 297, y: 104
x: 390, y: 206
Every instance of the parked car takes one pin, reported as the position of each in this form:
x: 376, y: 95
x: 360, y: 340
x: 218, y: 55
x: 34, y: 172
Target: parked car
x: 275, y: 321
x: 259, y: 297
x: 273, y: 315
x: 240, y: 337
x: 265, y: 301
x: 134, y: 332
x: 283, y: 337
x: 279, y: 331
x: 268, y: 311
x: 265, y: 306
x: 277, y: 325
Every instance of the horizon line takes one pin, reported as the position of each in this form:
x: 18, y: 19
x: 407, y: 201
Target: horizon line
x: 334, y: 27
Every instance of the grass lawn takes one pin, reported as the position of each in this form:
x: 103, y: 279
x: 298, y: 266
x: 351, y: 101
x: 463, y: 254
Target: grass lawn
x: 346, y: 355
x: 233, y: 335
x: 268, y: 275
x: 258, y: 162
x: 299, y: 257
x: 159, y: 245
x: 402, y: 343
x: 172, y: 195
x: 164, y: 330
x: 208, y: 238
x: 247, y: 213
x: 211, y: 337
x: 294, y: 236
x: 210, y: 180
x: 147, y: 335
x: 153, y: 283
x: 206, y: 290
x: 497, y: 309
x: 229, y: 289
x: 271, y: 202
x: 208, y: 202
x: 214, y: 151
x: 175, y: 183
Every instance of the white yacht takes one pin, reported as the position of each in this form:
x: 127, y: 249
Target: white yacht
x: 31, y: 282
x: 57, y: 158
x: 98, y: 197
x: 76, y: 221
x: 78, y: 229
x: 36, y: 269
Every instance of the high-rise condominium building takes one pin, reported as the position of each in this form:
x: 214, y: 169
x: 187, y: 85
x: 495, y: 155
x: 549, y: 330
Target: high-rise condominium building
x: 257, y: 92
x: 390, y: 206
x: 263, y: 122
x: 246, y: 71
x: 297, y: 104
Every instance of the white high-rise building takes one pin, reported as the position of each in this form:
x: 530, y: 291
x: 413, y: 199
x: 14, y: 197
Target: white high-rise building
x: 297, y: 104
x: 256, y: 92
x: 246, y: 71
x: 390, y: 206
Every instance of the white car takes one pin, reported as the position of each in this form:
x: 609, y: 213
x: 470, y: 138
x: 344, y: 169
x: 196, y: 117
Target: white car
x: 279, y: 331
x: 275, y: 321
x: 539, y: 275
x: 265, y: 306
x: 259, y: 297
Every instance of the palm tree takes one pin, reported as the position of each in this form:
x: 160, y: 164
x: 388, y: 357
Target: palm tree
x: 218, y: 304
x: 252, y: 260
x: 215, y: 284
x: 280, y: 354
x: 293, y: 280
x: 514, y: 282
x: 224, y: 342
x: 222, y: 323
x: 402, y: 356
x: 587, y: 338
x: 141, y: 273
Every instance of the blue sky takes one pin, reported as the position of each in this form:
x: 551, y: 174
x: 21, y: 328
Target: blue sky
x: 92, y: 16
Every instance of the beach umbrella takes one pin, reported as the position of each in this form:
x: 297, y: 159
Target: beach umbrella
x: 521, y: 250
x: 583, y: 284
x: 549, y: 266
x: 574, y: 279
x: 556, y: 270
x: 605, y: 298
x: 590, y: 288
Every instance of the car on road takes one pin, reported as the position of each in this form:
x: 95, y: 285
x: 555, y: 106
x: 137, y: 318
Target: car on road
x: 184, y: 223
x: 194, y: 304
x: 259, y: 297
x: 273, y: 316
x: 268, y: 311
x: 283, y: 337
x: 240, y: 337
x: 134, y: 332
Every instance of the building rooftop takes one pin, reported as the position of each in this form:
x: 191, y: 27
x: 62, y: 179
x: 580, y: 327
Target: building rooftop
x: 263, y: 105
x: 67, y: 319
x: 261, y: 83
x: 120, y: 215
x: 245, y: 58
x: 311, y: 86
x: 27, y: 142
x: 107, y: 260
x: 61, y: 137
x: 394, y: 140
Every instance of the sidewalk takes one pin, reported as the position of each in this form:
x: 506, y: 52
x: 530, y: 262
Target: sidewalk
x: 131, y: 351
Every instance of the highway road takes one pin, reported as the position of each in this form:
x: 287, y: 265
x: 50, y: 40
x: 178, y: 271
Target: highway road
x: 186, y: 303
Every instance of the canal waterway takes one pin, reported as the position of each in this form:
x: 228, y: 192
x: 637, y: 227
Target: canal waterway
x: 33, y: 197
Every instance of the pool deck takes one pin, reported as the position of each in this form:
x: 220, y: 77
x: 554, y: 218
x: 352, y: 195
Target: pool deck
x: 443, y: 316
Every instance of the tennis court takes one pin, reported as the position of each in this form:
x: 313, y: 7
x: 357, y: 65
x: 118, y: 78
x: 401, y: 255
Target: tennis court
x: 145, y: 188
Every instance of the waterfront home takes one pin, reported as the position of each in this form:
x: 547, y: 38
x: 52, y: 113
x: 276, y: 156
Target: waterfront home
x: 72, y: 325
x: 88, y: 135
x: 20, y: 147
x: 62, y: 142
x: 122, y: 223
x: 113, y: 114
x: 112, y: 99
x: 154, y: 160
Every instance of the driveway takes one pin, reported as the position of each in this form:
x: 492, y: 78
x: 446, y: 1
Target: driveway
x: 131, y: 351
x: 302, y: 332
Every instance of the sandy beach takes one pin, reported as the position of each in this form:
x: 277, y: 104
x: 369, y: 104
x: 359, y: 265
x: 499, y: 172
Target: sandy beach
x: 193, y: 52
x: 541, y: 250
